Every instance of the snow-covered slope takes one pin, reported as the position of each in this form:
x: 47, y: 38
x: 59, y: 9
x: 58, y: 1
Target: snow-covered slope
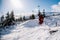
x: 31, y: 30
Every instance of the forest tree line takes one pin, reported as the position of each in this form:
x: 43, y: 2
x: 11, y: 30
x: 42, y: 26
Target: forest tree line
x: 9, y: 19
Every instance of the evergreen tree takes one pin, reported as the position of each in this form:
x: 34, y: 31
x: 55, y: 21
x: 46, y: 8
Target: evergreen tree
x: 33, y: 16
x: 20, y: 19
x: 24, y: 18
x: 1, y: 22
x: 39, y: 13
x: 2, y: 18
x: 7, y: 17
x: 44, y: 12
x: 12, y: 16
x: 6, y: 21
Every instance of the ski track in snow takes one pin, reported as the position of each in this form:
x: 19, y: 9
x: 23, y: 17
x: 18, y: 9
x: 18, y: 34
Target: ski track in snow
x: 31, y: 30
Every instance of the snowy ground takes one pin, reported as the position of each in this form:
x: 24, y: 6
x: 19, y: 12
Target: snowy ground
x: 31, y: 30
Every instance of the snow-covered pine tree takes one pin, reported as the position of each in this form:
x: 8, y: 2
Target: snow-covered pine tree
x: 7, y: 17
x: 39, y: 13
x: 1, y: 21
x: 2, y: 18
x: 24, y: 18
x: 33, y: 16
x: 20, y: 19
x: 12, y: 16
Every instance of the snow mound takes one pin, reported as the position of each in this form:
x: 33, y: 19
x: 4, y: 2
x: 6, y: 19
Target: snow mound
x: 31, y: 23
x: 31, y: 30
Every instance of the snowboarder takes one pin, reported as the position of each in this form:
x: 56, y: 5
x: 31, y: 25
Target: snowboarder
x: 41, y: 18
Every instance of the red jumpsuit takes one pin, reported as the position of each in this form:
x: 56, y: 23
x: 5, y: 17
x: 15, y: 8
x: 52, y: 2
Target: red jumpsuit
x: 41, y: 18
